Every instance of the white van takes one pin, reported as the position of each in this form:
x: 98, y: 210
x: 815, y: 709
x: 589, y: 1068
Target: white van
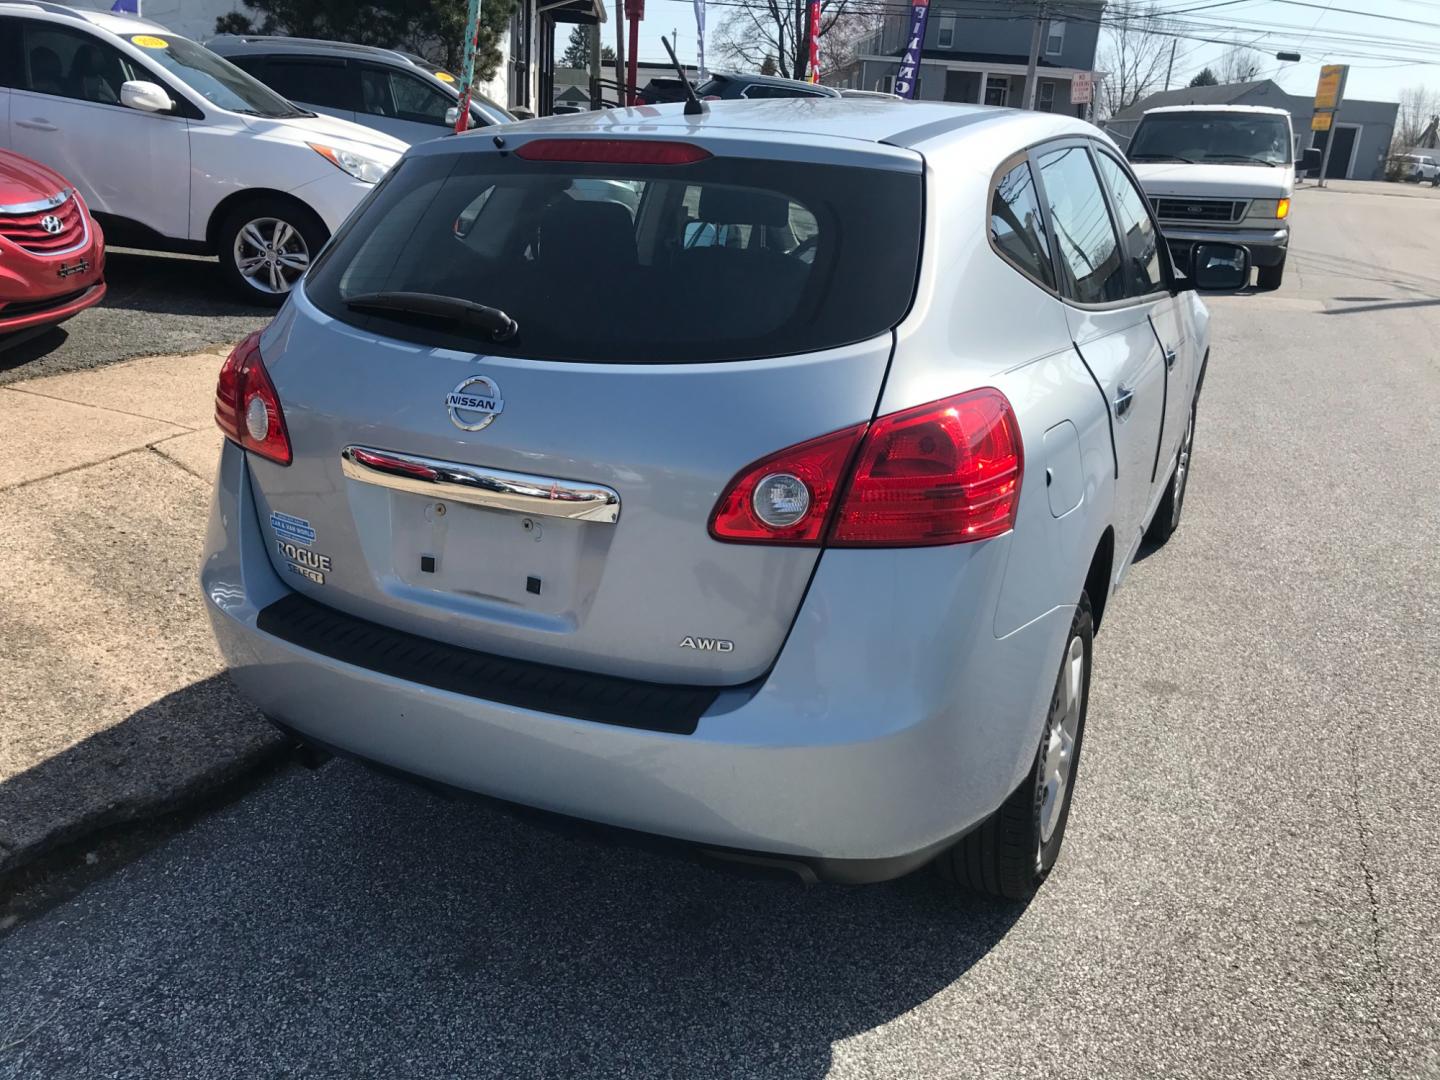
x: 1220, y: 174
x: 175, y: 149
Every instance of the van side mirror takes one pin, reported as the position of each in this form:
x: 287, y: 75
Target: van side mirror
x: 145, y: 96
x: 1310, y: 164
x: 1219, y: 268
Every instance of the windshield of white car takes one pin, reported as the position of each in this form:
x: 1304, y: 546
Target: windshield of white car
x: 1234, y: 138
x: 215, y: 79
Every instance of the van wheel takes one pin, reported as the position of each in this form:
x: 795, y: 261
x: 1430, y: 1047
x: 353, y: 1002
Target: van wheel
x: 1167, y: 514
x: 1012, y: 852
x: 265, y: 245
x: 1268, y: 278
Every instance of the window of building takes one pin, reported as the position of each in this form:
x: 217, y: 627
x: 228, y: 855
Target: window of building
x: 997, y: 90
x: 1045, y: 97
x: 885, y: 84
x: 946, y: 37
x: 1055, y: 38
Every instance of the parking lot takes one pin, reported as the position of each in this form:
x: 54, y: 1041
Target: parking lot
x: 1248, y: 887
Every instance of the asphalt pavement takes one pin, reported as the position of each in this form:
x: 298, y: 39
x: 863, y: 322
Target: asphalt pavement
x: 1248, y: 887
x: 154, y: 304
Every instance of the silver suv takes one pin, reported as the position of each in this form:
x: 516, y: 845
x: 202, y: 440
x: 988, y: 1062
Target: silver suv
x: 771, y: 507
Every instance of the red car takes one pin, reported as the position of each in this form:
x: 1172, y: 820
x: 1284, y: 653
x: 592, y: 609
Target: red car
x: 52, y: 254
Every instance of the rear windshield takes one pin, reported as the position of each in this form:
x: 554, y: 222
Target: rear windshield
x: 721, y: 259
x: 1259, y: 139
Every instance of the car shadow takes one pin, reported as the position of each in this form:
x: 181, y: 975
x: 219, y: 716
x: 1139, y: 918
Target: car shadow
x: 170, y: 285
x: 345, y: 923
x: 26, y: 346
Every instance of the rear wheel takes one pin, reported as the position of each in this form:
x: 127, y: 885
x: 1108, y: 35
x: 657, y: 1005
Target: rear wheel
x: 1167, y: 514
x: 1013, y: 851
x: 1269, y: 277
x: 266, y: 244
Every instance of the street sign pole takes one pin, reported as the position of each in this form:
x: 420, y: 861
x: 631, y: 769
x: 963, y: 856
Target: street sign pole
x: 467, y: 70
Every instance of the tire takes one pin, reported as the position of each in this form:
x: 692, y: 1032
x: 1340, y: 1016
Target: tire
x: 1167, y: 514
x: 265, y: 244
x: 1268, y: 278
x: 1012, y: 852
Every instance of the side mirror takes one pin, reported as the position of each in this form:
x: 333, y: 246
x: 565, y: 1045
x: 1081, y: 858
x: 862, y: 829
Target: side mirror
x: 145, y: 96
x: 1310, y: 164
x: 1219, y: 268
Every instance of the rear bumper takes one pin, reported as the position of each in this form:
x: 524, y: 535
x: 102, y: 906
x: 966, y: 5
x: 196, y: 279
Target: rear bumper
x: 868, y: 748
x: 1267, y: 247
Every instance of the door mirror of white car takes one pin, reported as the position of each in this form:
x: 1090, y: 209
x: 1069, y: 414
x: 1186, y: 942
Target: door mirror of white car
x: 1219, y: 268
x: 145, y: 96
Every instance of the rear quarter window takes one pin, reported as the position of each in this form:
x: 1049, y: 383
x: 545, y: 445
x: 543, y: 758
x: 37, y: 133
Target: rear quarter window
x: 724, y: 259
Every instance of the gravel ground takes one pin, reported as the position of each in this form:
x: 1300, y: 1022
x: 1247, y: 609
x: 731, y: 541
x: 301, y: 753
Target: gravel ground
x: 1248, y: 887
x: 155, y: 304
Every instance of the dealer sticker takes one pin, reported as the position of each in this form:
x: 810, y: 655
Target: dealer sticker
x: 295, y: 529
x: 147, y: 41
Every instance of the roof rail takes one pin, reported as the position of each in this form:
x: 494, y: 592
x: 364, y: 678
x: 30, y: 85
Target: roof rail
x: 44, y: 5
x: 322, y: 43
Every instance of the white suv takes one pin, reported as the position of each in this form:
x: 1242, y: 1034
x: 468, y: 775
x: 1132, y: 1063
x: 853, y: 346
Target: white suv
x: 175, y: 149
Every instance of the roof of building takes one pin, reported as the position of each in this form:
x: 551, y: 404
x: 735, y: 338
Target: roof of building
x: 1223, y: 94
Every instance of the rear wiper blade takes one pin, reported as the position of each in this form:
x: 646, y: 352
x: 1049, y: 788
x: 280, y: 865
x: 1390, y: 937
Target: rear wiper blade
x: 497, y: 325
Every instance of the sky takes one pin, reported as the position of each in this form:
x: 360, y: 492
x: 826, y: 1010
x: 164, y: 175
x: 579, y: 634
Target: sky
x: 1314, y: 28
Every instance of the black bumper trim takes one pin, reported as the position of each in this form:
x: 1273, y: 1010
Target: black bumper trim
x: 603, y: 699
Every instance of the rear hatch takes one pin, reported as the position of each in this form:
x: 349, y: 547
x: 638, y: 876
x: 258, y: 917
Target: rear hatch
x: 682, y: 312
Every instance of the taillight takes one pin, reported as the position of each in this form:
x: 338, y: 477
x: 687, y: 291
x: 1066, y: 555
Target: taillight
x: 612, y: 151
x: 786, y: 498
x: 247, y: 408
x: 944, y: 473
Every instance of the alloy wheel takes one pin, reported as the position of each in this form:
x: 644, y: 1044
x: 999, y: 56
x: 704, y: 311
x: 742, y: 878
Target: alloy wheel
x: 1058, y: 763
x: 1182, y: 470
x: 271, y: 254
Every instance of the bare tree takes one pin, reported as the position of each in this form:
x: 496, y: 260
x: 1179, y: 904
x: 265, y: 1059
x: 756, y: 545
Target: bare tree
x: 1239, y: 63
x: 1419, y: 106
x: 755, y: 29
x: 1133, y: 57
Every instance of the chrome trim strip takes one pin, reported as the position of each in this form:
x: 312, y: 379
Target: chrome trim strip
x: 35, y: 207
x: 494, y: 489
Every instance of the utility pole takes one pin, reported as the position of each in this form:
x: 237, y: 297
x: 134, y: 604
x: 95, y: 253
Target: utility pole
x: 1170, y: 67
x: 1037, y: 31
x: 595, y: 70
x: 802, y: 38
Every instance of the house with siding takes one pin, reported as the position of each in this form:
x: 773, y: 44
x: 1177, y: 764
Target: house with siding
x: 978, y: 51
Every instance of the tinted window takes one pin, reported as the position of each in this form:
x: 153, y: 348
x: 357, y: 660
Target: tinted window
x: 1238, y: 138
x: 1139, y: 238
x: 405, y: 97
x: 1017, y: 227
x: 1091, y: 268
x: 74, y: 64
x: 313, y: 82
x: 723, y: 259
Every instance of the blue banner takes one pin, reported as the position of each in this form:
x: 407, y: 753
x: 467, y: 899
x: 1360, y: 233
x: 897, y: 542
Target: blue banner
x: 909, y: 74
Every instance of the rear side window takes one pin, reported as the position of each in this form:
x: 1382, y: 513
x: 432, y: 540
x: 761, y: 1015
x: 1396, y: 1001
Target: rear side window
x: 315, y: 82
x: 721, y: 259
x: 403, y: 96
x: 1092, y: 270
x: 1017, y: 227
x: 1139, y: 239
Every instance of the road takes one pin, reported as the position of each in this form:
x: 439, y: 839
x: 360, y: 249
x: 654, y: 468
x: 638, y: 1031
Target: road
x: 1248, y: 887
x: 155, y: 304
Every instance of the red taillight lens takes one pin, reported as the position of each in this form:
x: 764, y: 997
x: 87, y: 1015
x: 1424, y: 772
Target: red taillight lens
x: 616, y: 151
x: 944, y: 473
x: 819, y: 468
x: 247, y: 408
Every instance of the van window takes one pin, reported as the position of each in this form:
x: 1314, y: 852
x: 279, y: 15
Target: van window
x: 721, y: 259
x: 1239, y: 138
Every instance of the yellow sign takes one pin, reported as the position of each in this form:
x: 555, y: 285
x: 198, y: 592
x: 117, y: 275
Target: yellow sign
x: 1327, y: 90
x: 445, y: 76
x: 1321, y: 121
x: 145, y: 41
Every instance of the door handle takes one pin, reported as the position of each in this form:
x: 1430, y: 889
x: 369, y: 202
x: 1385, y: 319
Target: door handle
x: 38, y: 123
x: 1123, y: 400
x: 1170, y: 357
